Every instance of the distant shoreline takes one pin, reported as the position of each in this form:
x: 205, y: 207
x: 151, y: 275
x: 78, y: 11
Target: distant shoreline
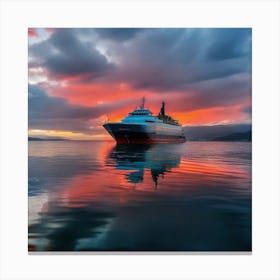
x: 97, y: 140
x: 35, y: 139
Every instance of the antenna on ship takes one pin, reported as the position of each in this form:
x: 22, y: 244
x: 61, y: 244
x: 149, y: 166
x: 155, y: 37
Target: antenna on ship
x: 143, y: 103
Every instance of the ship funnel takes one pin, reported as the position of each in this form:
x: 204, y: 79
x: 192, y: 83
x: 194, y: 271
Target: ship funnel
x: 162, y: 110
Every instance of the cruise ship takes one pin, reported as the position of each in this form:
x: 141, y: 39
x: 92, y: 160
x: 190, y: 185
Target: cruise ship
x: 141, y: 126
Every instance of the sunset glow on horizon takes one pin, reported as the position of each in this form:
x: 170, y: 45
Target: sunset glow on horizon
x: 79, y: 78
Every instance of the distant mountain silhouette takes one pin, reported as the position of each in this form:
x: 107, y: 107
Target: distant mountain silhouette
x: 45, y: 139
x: 241, y: 136
x: 209, y: 133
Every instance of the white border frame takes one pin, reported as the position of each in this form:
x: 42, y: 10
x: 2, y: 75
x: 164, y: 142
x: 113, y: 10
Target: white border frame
x: 17, y: 16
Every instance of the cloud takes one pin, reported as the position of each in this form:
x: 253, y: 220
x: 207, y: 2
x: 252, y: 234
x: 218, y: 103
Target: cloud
x: 172, y: 59
x: 118, y: 34
x: 200, y: 68
x: 246, y: 110
x: 154, y: 59
x: 47, y: 112
x: 63, y: 54
x: 32, y: 32
x: 233, y: 91
x: 228, y: 44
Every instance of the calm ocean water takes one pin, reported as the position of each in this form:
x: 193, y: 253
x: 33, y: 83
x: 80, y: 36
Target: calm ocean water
x: 92, y: 196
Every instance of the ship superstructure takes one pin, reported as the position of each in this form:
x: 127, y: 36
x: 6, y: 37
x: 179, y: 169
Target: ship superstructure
x: 141, y: 126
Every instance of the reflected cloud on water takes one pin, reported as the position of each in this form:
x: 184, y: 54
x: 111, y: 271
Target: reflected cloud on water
x: 166, y: 197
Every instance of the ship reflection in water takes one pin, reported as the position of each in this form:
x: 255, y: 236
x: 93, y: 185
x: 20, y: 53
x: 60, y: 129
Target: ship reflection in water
x: 159, y: 159
x: 98, y: 196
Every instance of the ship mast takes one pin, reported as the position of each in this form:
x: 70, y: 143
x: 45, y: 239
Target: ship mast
x: 143, y: 103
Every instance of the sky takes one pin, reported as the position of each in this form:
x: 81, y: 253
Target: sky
x: 78, y: 78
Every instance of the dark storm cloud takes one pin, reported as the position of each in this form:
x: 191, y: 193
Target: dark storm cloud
x: 213, y: 93
x: 42, y: 105
x: 227, y: 45
x: 64, y: 54
x: 172, y: 59
x: 118, y: 34
x: 156, y: 59
x: 204, y: 67
x: 47, y: 112
x: 221, y: 92
x: 246, y: 110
